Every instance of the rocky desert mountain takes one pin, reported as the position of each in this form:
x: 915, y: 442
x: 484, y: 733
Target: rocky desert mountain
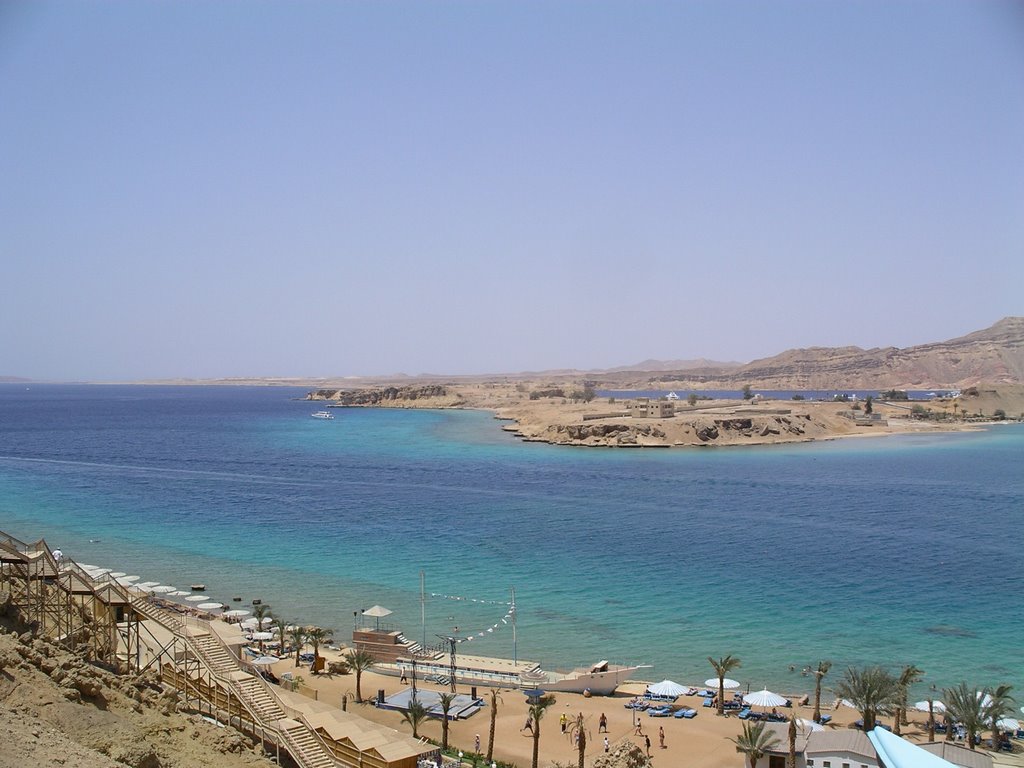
x: 991, y: 356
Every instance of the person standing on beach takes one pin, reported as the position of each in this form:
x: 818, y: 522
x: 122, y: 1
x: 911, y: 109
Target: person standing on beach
x: 564, y: 721
x: 661, y: 737
x: 602, y: 724
x: 606, y: 745
x: 639, y: 727
x: 476, y: 748
x: 647, y: 745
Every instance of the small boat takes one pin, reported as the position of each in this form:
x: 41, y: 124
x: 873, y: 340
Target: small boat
x: 601, y: 679
x: 198, y: 587
x: 323, y: 415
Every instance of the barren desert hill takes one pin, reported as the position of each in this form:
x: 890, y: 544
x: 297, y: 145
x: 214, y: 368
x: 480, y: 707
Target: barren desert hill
x: 993, y: 356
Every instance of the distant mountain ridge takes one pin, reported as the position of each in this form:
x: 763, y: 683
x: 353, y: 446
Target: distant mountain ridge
x: 994, y: 355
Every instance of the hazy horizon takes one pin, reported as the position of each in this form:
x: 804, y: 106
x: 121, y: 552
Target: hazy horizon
x: 360, y: 189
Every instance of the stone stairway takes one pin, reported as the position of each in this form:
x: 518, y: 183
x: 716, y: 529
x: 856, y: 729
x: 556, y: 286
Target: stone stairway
x: 306, y: 747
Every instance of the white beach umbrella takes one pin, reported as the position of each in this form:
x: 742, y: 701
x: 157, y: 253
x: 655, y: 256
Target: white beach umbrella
x: 209, y: 606
x: 143, y: 588
x: 249, y: 624
x: 667, y: 688
x: 265, y: 661
x: 197, y: 598
x: 163, y: 589
x: 1008, y: 724
x: 147, y: 584
x: 262, y: 635
x: 179, y: 593
x: 728, y: 683
x: 116, y: 574
x: 1022, y: 709
x: 937, y: 706
x: 236, y: 612
x: 129, y: 579
x: 764, y: 698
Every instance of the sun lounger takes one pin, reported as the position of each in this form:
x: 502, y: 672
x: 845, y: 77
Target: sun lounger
x: 708, y: 701
x: 825, y: 719
x: 744, y: 713
x: 686, y: 712
x: 705, y: 692
x: 659, y: 712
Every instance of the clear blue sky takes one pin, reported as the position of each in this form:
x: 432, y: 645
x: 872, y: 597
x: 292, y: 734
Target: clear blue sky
x: 339, y: 188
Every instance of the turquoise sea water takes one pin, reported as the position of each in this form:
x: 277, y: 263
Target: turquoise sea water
x: 892, y: 550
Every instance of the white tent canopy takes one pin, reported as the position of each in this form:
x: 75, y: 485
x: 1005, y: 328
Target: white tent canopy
x: 937, y: 706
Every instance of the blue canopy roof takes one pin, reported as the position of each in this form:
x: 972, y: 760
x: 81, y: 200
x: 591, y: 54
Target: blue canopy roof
x: 894, y: 752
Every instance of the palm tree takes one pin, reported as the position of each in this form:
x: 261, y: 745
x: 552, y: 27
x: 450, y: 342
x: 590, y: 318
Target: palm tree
x: 872, y: 690
x: 360, y: 660
x: 297, y: 637
x: 967, y: 704
x: 261, y: 612
x: 999, y: 706
x: 792, y: 742
x: 277, y: 625
x: 907, y: 678
x: 414, y: 715
x: 722, y: 668
x: 819, y: 673
x: 317, y: 636
x: 577, y: 728
x: 754, y: 742
x: 537, y: 709
x: 446, y: 700
x: 495, y: 698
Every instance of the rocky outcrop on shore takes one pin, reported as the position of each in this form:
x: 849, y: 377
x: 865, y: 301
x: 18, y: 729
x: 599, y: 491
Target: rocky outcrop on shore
x: 59, y: 709
x: 413, y: 396
x: 685, y: 430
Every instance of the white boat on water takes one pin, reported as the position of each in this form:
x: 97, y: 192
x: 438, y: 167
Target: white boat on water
x: 323, y: 415
x: 600, y: 679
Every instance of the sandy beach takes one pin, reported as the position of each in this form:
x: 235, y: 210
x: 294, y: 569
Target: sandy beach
x: 702, y: 742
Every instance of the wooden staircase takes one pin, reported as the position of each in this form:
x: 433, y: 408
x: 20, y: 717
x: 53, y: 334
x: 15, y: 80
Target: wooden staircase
x: 304, y: 746
x: 301, y: 741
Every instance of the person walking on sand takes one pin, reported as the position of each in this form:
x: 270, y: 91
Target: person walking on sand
x: 639, y: 728
x: 529, y: 724
x: 602, y: 724
x: 647, y: 745
x: 606, y: 745
x: 661, y: 737
x: 476, y: 747
x: 564, y: 721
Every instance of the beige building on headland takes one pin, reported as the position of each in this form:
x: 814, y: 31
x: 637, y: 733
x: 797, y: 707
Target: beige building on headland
x: 645, y: 408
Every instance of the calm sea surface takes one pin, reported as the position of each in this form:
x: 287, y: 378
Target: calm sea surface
x: 894, y: 550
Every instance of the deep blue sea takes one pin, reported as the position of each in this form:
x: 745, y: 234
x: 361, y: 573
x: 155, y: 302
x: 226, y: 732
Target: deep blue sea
x: 893, y: 550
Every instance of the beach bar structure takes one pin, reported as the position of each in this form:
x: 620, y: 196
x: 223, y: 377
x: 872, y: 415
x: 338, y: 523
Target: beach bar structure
x: 127, y: 629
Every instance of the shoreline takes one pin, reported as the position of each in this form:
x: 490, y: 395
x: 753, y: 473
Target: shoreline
x: 563, y: 421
